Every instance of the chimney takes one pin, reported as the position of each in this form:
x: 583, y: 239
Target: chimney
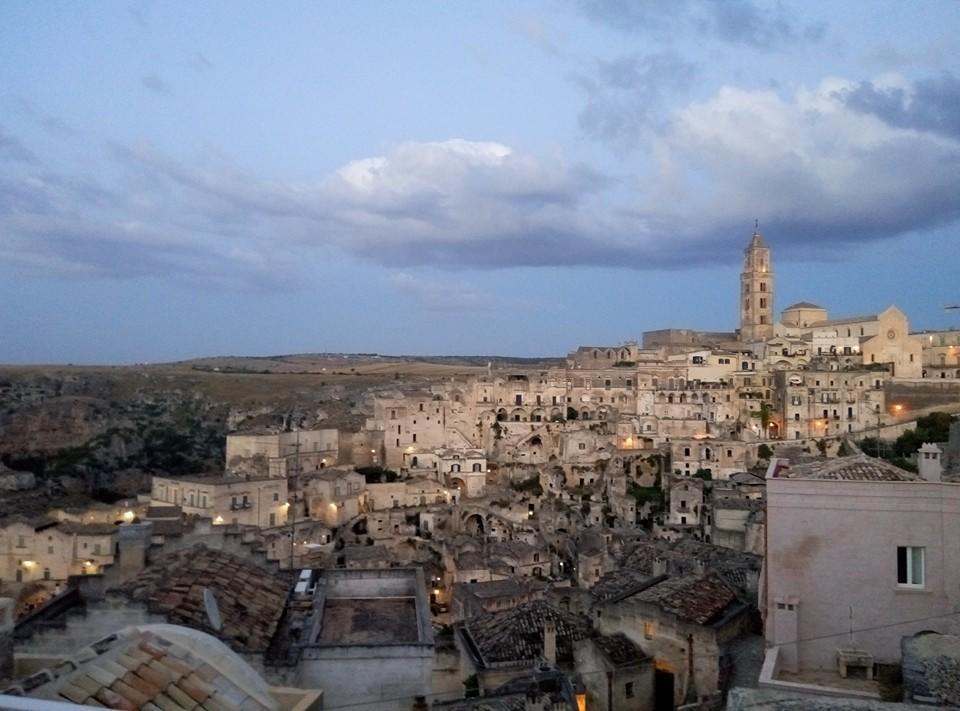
x: 133, y: 540
x: 550, y: 641
x: 8, y: 609
x: 659, y: 567
x: 930, y: 462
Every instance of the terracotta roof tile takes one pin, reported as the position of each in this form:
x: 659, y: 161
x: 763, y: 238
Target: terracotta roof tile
x: 250, y: 598
x: 113, y: 700
x: 196, y: 687
x: 129, y: 693
x: 698, y: 599
x: 74, y: 693
x: 142, y: 685
x: 171, y: 662
x: 180, y: 697
x: 166, y: 703
x: 156, y: 674
x: 86, y: 683
x: 100, y: 675
x: 517, y: 634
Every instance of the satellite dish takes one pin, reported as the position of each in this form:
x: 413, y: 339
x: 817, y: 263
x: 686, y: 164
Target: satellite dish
x: 213, y: 612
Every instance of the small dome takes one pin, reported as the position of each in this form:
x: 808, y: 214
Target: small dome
x: 803, y: 305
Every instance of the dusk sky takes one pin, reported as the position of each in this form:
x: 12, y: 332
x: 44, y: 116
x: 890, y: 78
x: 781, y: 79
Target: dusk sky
x: 181, y: 179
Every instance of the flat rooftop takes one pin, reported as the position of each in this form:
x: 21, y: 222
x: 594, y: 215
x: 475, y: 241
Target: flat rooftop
x: 369, y: 621
x: 336, y: 608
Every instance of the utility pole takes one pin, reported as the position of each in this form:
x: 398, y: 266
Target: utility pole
x: 295, y: 479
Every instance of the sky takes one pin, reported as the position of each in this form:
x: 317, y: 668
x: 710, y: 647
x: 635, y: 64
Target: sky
x: 183, y: 179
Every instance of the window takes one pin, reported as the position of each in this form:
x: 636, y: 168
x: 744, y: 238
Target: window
x: 628, y: 689
x: 910, y: 566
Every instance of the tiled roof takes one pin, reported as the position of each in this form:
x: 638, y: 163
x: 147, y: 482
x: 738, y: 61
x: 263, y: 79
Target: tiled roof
x: 87, y: 529
x: 137, y: 669
x: 858, y: 467
x: 697, y: 599
x: 619, y: 649
x: 249, y: 598
x: 366, y: 553
x: 166, y: 527
x: 163, y: 512
x: 517, y: 635
x: 844, y: 321
x: 619, y: 583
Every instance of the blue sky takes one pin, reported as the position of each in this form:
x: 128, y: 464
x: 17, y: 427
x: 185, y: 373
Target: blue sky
x: 187, y: 179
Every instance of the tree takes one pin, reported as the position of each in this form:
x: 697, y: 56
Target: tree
x: 764, y: 451
x: 765, y: 412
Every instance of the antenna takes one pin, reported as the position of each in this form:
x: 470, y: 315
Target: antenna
x: 213, y: 612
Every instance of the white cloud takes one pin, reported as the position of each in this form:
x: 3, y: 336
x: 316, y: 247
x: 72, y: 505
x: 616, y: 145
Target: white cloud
x: 813, y: 166
x: 839, y: 162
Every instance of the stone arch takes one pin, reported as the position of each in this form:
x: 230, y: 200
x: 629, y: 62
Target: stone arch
x: 474, y: 524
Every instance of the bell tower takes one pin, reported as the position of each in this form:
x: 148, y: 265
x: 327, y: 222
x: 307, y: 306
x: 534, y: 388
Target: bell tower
x: 756, y: 291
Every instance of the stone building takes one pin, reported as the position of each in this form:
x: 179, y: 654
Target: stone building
x: 821, y: 403
x: 501, y: 646
x: 686, y: 502
x: 720, y: 458
x: 859, y: 554
x: 335, y: 496
x: 616, y: 673
x: 266, y: 453
x: 363, y: 636
x: 756, y: 292
x: 256, y: 501
x: 940, y: 354
x: 410, y: 424
x: 49, y: 550
x: 683, y: 622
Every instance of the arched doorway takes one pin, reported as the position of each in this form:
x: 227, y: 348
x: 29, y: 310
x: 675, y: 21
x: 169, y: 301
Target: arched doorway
x: 473, y: 525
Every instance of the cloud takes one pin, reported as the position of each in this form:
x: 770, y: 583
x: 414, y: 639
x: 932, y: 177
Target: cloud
x: 155, y: 84
x: 837, y: 164
x: 53, y: 125
x: 817, y: 168
x: 927, y: 105
x: 437, y: 295
x: 626, y: 96
x: 12, y: 149
x: 739, y: 22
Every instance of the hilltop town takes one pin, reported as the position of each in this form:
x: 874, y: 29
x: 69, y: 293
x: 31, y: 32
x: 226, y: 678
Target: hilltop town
x: 691, y: 520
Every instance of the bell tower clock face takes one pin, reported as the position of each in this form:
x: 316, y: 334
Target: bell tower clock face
x: 891, y: 334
